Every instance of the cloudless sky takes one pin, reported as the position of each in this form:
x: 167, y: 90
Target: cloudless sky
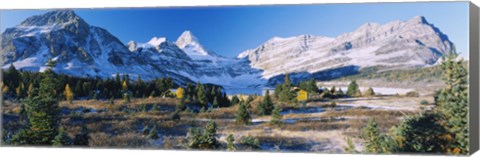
x: 233, y: 29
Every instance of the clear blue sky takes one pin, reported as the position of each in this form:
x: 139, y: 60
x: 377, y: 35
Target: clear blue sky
x: 231, y: 30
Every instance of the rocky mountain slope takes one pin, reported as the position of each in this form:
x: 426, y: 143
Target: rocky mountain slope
x: 88, y: 51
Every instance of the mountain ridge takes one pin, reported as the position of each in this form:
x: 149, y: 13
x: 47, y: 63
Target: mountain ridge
x: 89, y: 51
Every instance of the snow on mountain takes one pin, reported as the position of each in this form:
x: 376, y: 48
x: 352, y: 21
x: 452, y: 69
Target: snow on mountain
x: 192, y: 47
x: 401, y: 44
x: 89, y: 51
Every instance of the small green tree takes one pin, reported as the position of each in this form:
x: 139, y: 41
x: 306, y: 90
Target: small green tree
x: 350, y: 148
x: 203, y: 138
x: 276, y: 116
x: 374, y: 140
x: 369, y: 92
x: 153, y: 133
x: 43, y: 114
x: 353, y: 89
x: 452, y: 102
x: 230, y: 144
x: 235, y: 100
x: 146, y: 130
x: 266, y: 106
x: 242, y: 115
x: 202, y: 96
x: 62, y: 139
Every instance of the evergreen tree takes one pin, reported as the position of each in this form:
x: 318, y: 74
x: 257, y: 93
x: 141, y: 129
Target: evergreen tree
x: 374, y: 141
x: 153, y: 133
x: 276, y: 116
x: 215, y: 103
x: 68, y: 93
x: 369, y: 92
x: 242, y: 115
x: 203, y: 138
x: 350, y: 148
x: 235, y: 100
x: 43, y: 114
x: 333, y: 91
x: 340, y: 92
x: 230, y: 144
x: 62, y: 139
x: 145, y: 130
x: 266, y: 106
x: 211, y: 132
x: 249, y: 98
x: 353, y: 89
x: 452, y: 102
x: 202, y: 96
x: 78, y: 88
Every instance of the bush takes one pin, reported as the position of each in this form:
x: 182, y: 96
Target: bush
x: 250, y: 142
x: 203, y: 138
x: 412, y: 94
x: 424, y: 102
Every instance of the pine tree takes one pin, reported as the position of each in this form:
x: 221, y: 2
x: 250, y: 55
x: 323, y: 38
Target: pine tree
x: 62, y: 139
x: 353, y: 89
x: 287, y: 82
x: 235, y: 100
x: 369, y: 92
x: 68, y: 93
x: 230, y: 144
x: 215, y: 103
x: 153, y: 133
x: 350, y: 148
x: 145, y: 130
x: 266, y: 106
x: 78, y: 88
x: 340, y: 92
x: 43, y: 114
x: 276, y: 116
x: 242, y: 115
x: 333, y: 91
x: 375, y: 142
x: 211, y: 132
x: 452, y: 102
x: 202, y: 96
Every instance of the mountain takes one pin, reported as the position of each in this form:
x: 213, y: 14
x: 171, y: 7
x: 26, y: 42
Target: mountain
x: 83, y: 50
x: 398, y: 44
x: 78, y: 48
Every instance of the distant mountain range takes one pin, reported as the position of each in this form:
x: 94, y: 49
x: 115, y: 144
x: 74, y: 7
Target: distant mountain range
x: 83, y: 50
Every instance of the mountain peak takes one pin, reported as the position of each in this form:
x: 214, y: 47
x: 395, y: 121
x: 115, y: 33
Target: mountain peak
x: 155, y: 41
x: 186, y: 38
x: 419, y: 19
x: 52, y: 18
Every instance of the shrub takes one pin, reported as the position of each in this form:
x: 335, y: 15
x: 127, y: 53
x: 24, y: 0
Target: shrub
x: 412, y: 94
x: 250, y: 142
x: 424, y: 102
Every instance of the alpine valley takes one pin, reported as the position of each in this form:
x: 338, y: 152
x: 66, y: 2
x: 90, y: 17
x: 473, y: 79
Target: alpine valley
x: 83, y: 50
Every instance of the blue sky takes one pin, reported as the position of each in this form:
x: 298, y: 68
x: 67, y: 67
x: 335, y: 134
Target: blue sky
x: 231, y: 30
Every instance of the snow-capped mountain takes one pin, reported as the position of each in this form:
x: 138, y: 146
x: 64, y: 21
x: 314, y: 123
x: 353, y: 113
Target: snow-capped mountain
x: 192, y: 47
x: 398, y: 44
x: 88, y: 51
